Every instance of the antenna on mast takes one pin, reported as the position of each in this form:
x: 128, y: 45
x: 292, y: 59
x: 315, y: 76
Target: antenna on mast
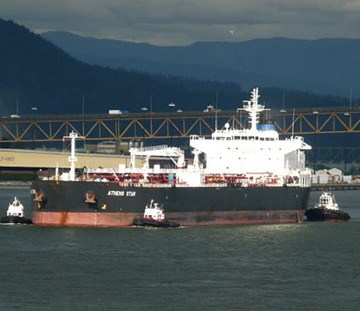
x: 216, y: 109
x: 283, y: 102
x: 293, y: 124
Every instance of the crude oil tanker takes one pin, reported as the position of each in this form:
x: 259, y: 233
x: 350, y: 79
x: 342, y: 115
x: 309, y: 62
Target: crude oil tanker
x: 247, y: 176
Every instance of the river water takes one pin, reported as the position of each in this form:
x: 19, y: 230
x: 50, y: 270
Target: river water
x: 306, y: 266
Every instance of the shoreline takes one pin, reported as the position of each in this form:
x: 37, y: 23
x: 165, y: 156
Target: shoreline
x: 15, y: 184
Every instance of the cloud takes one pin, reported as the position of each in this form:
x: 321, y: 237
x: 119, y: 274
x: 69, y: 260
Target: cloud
x: 174, y: 22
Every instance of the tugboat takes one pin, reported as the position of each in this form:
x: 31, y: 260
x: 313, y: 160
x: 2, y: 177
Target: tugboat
x: 326, y: 210
x: 15, y: 214
x: 154, y: 216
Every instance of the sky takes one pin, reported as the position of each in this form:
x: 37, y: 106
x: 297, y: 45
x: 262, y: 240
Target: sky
x: 182, y: 22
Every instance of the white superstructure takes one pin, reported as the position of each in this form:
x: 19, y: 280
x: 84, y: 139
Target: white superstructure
x: 15, y: 208
x: 253, y: 151
x: 254, y: 156
x: 328, y: 201
x: 154, y: 212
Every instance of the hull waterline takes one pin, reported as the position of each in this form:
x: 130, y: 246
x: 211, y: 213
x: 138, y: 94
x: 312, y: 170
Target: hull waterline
x: 121, y: 220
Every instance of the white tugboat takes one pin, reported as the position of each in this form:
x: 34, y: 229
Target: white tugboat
x: 15, y: 214
x: 326, y: 209
x: 154, y: 216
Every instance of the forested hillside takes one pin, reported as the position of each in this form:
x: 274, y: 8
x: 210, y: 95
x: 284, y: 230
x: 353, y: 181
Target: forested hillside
x: 325, y: 66
x: 36, y: 73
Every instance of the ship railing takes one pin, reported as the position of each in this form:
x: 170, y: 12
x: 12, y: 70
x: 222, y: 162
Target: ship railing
x: 185, y: 185
x: 133, y: 170
x: 100, y: 170
x: 151, y: 148
x: 180, y: 185
x: 212, y: 185
x: 154, y: 148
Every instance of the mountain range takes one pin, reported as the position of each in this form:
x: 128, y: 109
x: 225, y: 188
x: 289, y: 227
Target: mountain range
x: 35, y: 73
x: 326, y: 66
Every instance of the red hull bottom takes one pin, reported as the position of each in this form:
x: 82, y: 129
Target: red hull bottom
x: 185, y: 219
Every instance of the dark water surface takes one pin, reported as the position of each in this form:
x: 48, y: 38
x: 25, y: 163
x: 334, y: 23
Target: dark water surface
x: 306, y: 266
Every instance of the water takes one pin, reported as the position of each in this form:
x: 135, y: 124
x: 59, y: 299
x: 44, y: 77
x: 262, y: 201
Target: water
x: 306, y: 266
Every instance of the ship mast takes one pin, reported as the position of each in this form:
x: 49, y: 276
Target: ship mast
x: 253, y: 108
x: 72, y: 158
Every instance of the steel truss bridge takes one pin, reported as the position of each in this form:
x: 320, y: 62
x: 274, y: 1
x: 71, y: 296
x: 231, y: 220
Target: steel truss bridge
x: 180, y: 125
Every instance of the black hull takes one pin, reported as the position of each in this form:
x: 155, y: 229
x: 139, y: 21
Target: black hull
x: 143, y: 222
x: 67, y: 203
x: 15, y: 220
x: 317, y: 214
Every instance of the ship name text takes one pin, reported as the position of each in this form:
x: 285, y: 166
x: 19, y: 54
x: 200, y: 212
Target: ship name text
x: 121, y: 193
